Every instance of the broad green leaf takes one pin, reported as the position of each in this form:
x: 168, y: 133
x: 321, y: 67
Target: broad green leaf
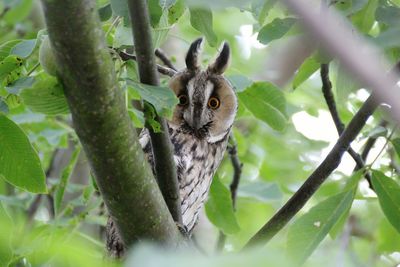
x: 345, y: 84
x: 18, y: 12
x: 155, y: 12
x: 275, y: 30
x: 349, y: 7
x: 176, y: 11
x: 6, y: 48
x: 396, y: 145
x: 5, y: 234
x: 308, y: 68
x: 3, y: 106
x: 365, y: 18
x: 261, y: 8
x: 65, y: 176
x: 24, y: 49
x: 219, y: 208
x: 46, y: 96
x: 239, y: 82
x: 377, y: 132
x: 19, y: 163
x: 8, y: 65
x: 388, y: 15
x: 389, y: 38
x: 267, y: 103
x: 105, y: 12
x: 120, y: 8
x: 160, y: 32
x: 123, y: 36
x: 162, y: 98
x: 388, y: 238
x: 388, y: 192
x: 202, y: 20
x: 137, y: 117
x: 18, y: 85
x: 165, y: 4
x: 310, y: 229
x: 262, y: 191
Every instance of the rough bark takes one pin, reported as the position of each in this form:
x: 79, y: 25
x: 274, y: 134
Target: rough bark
x: 101, y: 121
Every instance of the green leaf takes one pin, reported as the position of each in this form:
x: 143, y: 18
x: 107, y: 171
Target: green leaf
x: 275, y: 30
x: 239, y: 82
x: 5, y: 234
x: 261, y: 8
x: 349, y: 7
x: 8, y: 65
x: 202, y: 20
x: 262, y: 191
x: 65, y: 176
x: 345, y: 84
x: 18, y: 85
x: 105, y: 12
x: 308, y: 68
x: 365, y: 18
x: 388, y: 15
x: 176, y: 11
x: 396, y: 145
x: 267, y: 103
x: 311, y: 228
x: 18, y: 12
x: 167, y: 3
x: 388, y: 192
x: 24, y: 49
x: 6, y: 48
x: 46, y: 96
x: 3, y: 106
x: 162, y: 98
x: 155, y: 12
x: 219, y: 208
x: 19, y: 163
x: 120, y: 8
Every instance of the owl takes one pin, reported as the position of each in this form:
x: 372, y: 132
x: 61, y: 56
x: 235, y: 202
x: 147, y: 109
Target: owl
x: 199, y: 132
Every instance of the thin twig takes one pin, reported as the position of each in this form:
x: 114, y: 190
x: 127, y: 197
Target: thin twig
x: 164, y: 58
x: 237, y: 172
x: 161, y: 69
x: 33, y: 69
x: 314, y: 181
x: 385, y: 145
x: 330, y: 101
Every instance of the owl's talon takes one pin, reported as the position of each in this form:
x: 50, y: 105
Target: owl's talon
x: 183, y: 229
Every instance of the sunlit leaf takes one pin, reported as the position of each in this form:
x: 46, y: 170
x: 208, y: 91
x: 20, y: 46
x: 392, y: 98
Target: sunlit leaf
x: 5, y: 233
x: 396, y: 145
x: 155, y: 11
x: 46, y: 96
x: 388, y: 192
x: 219, y: 208
x: 267, y: 103
x: 6, y: 48
x: 345, y: 84
x: 275, y: 30
x: 310, y: 229
x: 19, y: 11
x: 176, y: 11
x: 8, y: 65
x: 202, y: 20
x: 365, y: 18
x: 19, y: 162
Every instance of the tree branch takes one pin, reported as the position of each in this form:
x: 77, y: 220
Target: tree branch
x: 163, y: 57
x: 103, y: 125
x: 330, y: 101
x: 161, y: 145
x: 314, y: 181
x: 161, y: 69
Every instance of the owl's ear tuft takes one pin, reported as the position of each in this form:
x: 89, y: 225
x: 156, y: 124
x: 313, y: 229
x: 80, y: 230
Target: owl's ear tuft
x: 193, y: 54
x: 222, y: 61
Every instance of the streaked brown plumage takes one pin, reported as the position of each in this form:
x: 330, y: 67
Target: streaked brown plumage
x: 199, y: 131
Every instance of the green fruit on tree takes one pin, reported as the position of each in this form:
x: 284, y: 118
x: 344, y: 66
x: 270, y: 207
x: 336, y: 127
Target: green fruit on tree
x: 46, y: 57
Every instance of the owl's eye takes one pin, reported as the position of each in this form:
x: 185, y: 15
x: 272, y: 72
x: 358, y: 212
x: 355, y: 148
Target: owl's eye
x: 213, y: 102
x: 183, y: 100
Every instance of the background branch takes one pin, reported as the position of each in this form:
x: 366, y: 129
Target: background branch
x: 330, y: 101
x: 314, y: 181
x: 161, y: 145
x: 103, y: 125
x: 164, y: 58
x: 161, y: 69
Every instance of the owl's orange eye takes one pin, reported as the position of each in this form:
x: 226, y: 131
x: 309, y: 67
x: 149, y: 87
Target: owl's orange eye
x: 183, y: 100
x: 213, y: 102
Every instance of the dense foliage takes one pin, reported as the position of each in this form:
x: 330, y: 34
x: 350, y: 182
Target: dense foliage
x: 51, y: 213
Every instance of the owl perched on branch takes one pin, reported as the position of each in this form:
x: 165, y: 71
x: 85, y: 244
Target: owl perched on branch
x: 199, y: 132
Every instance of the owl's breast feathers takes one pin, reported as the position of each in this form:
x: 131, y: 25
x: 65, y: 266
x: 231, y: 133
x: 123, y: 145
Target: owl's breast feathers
x: 196, y: 162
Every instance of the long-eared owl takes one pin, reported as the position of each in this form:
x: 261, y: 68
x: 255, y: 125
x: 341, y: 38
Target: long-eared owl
x: 199, y: 132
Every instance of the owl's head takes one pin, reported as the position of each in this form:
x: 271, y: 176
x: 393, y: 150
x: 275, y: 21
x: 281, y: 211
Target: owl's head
x: 207, y: 102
